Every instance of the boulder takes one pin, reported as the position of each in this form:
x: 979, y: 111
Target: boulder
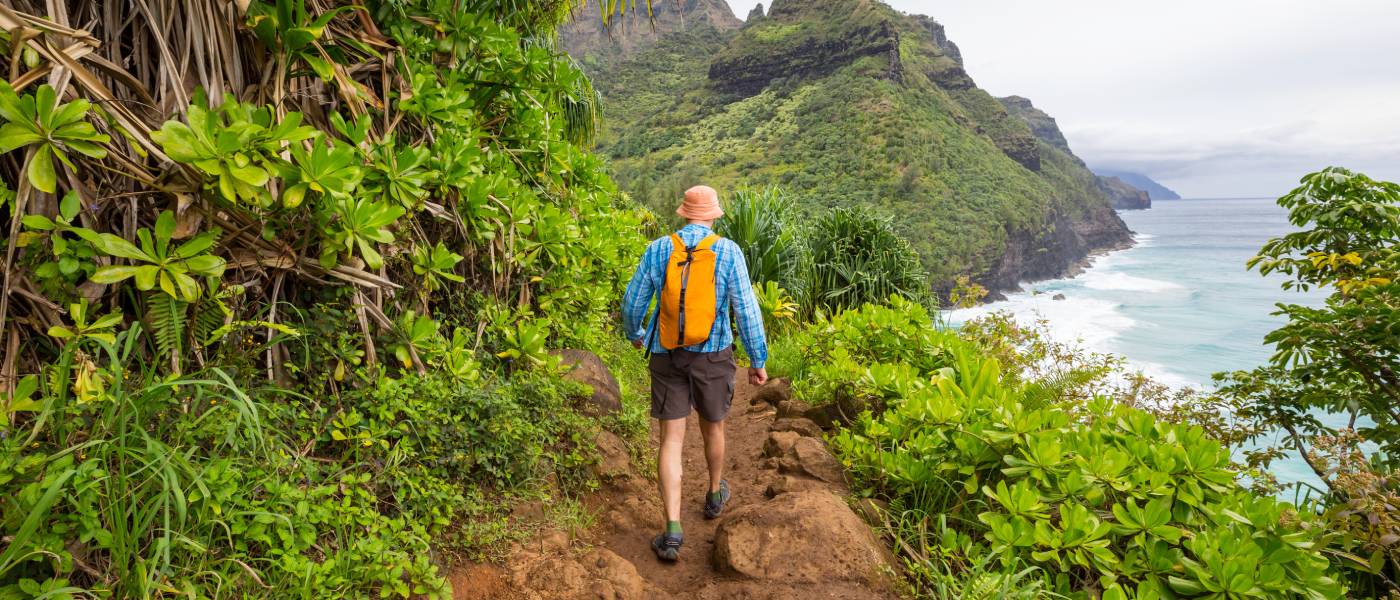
x: 1058, y: 297
x: 773, y: 392
x: 809, y: 456
x: 620, y: 575
x: 585, y: 367
x: 800, y: 537
x: 792, y: 408
x: 779, y: 443
x: 613, y: 458
x: 800, y: 425
x: 561, y: 578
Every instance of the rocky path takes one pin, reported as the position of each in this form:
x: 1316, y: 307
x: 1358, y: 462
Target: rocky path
x: 787, y: 533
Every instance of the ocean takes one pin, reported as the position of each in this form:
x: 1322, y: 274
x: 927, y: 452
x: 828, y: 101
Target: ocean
x: 1179, y: 305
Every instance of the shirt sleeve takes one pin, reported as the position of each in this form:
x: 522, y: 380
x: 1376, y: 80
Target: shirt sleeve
x: 637, y: 298
x: 746, y: 310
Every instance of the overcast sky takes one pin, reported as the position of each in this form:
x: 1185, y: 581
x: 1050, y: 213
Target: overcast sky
x: 1213, y: 98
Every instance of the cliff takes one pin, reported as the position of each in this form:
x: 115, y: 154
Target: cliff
x: 1154, y: 190
x: 587, y: 36
x: 1124, y: 196
x: 850, y: 102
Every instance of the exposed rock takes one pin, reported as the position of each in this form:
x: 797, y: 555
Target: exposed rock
x: 1122, y: 195
x: 940, y: 37
x: 1058, y: 297
x: 1042, y: 125
x: 870, y: 509
x: 554, y: 541
x: 621, y: 575
x: 792, y: 408
x: 755, y: 14
x: 586, y: 34
x: 772, y: 49
x: 799, y: 537
x: 787, y: 484
x: 585, y: 367
x: 802, y: 426
x: 560, y: 578
x: 774, y: 392
x: 809, y: 456
x: 613, y: 460
x: 779, y: 443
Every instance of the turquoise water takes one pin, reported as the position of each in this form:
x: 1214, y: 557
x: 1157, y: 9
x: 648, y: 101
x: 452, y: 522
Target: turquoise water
x: 1180, y: 305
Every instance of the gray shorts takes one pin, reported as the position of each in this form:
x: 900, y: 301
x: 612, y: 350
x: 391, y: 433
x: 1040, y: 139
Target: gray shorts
x: 681, y: 380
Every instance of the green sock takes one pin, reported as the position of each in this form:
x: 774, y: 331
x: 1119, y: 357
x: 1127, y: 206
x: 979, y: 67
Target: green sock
x: 673, y: 527
x: 716, y: 496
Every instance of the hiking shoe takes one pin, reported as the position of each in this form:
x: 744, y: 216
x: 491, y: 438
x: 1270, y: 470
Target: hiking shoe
x: 713, y: 508
x: 667, y: 546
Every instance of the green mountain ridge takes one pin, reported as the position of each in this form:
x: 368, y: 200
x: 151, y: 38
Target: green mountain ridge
x: 850, y: 102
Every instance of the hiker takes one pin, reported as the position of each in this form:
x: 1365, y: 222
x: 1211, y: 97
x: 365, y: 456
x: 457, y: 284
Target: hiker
x: 698, y: 278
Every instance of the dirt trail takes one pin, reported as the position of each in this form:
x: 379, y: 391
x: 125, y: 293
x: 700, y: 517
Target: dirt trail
x: 786, y: 533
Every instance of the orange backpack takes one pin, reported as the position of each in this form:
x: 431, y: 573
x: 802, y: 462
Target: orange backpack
x: 688, y: 298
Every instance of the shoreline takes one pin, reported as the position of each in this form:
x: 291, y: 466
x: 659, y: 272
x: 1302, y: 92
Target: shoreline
x: 1074, y: 269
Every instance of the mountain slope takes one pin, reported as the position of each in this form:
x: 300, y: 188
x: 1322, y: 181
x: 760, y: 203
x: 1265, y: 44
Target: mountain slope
x: 849, y: 102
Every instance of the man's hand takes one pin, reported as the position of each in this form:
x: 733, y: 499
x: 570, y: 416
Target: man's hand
x: 637, y: 343
x: 758, y: 376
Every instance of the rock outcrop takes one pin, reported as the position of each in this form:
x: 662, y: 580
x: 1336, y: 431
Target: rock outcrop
x: 808, y: 536
x: 1042, y: 125
x: 755, y: 14
x: 585, y: 367
x: 1155, y: 190
x: 1124, y: 196
x: 625, y: 34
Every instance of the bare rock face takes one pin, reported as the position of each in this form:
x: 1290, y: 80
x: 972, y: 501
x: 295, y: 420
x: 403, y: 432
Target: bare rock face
x: 618, y: 575
x: 788, y: 484
x: 585, y: 367
x: 625, y: 34
x: 800, y: 537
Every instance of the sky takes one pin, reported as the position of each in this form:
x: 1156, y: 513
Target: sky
x: 1214, y: 98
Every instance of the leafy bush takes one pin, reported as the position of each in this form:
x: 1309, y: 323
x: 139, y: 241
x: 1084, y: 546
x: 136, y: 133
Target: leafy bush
x: 763, y: 224
x: 1340, y: 358
x: 1100, y: 497
x: 856, y: 257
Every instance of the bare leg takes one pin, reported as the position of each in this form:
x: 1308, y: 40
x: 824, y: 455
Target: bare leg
x: 714, y: 450
x: 668, y: 466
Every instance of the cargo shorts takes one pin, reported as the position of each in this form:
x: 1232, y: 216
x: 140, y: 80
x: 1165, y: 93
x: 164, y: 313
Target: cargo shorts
x: 682, y: 380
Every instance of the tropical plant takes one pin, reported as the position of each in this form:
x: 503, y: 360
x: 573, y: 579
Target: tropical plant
x: 1098, y: 496
x: 763, y: 223
x: 51, y: 128
x: 172, y: 268
x: 856, y: 257
x: 1342, y: 358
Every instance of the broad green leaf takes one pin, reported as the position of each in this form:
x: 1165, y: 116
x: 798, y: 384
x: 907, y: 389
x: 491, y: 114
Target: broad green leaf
x: 114, y: 273
x: 41, y: 169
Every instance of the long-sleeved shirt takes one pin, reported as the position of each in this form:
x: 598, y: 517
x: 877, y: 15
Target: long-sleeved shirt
x: 731, y: 288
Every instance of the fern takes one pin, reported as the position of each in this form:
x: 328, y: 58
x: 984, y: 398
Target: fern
x: 209, y: 317
x: 167, y: 319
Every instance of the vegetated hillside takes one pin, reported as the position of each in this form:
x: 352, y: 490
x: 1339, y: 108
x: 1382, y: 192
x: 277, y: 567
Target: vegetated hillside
x: 1154, y: 189
x: 850, y: 102
x: 1120, y: 193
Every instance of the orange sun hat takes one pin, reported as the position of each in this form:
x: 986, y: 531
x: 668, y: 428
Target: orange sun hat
x: 701, y: 204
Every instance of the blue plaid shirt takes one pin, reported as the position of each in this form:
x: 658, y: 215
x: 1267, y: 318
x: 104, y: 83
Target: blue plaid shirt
x: 731, y: 287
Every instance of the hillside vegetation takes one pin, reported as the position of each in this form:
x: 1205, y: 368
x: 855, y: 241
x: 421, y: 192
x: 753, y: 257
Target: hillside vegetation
x: 846, y: 102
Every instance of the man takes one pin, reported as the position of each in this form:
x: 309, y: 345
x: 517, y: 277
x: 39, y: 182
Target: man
x: 695, y: 369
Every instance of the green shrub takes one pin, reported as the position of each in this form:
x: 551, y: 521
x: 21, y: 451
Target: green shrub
x: 857, y: 257
x: 1096, y: 495
x: 763, y: 224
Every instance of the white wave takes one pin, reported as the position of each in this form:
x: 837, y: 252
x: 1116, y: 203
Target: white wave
x: 1103, y: 279
x: 1091, y: 322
